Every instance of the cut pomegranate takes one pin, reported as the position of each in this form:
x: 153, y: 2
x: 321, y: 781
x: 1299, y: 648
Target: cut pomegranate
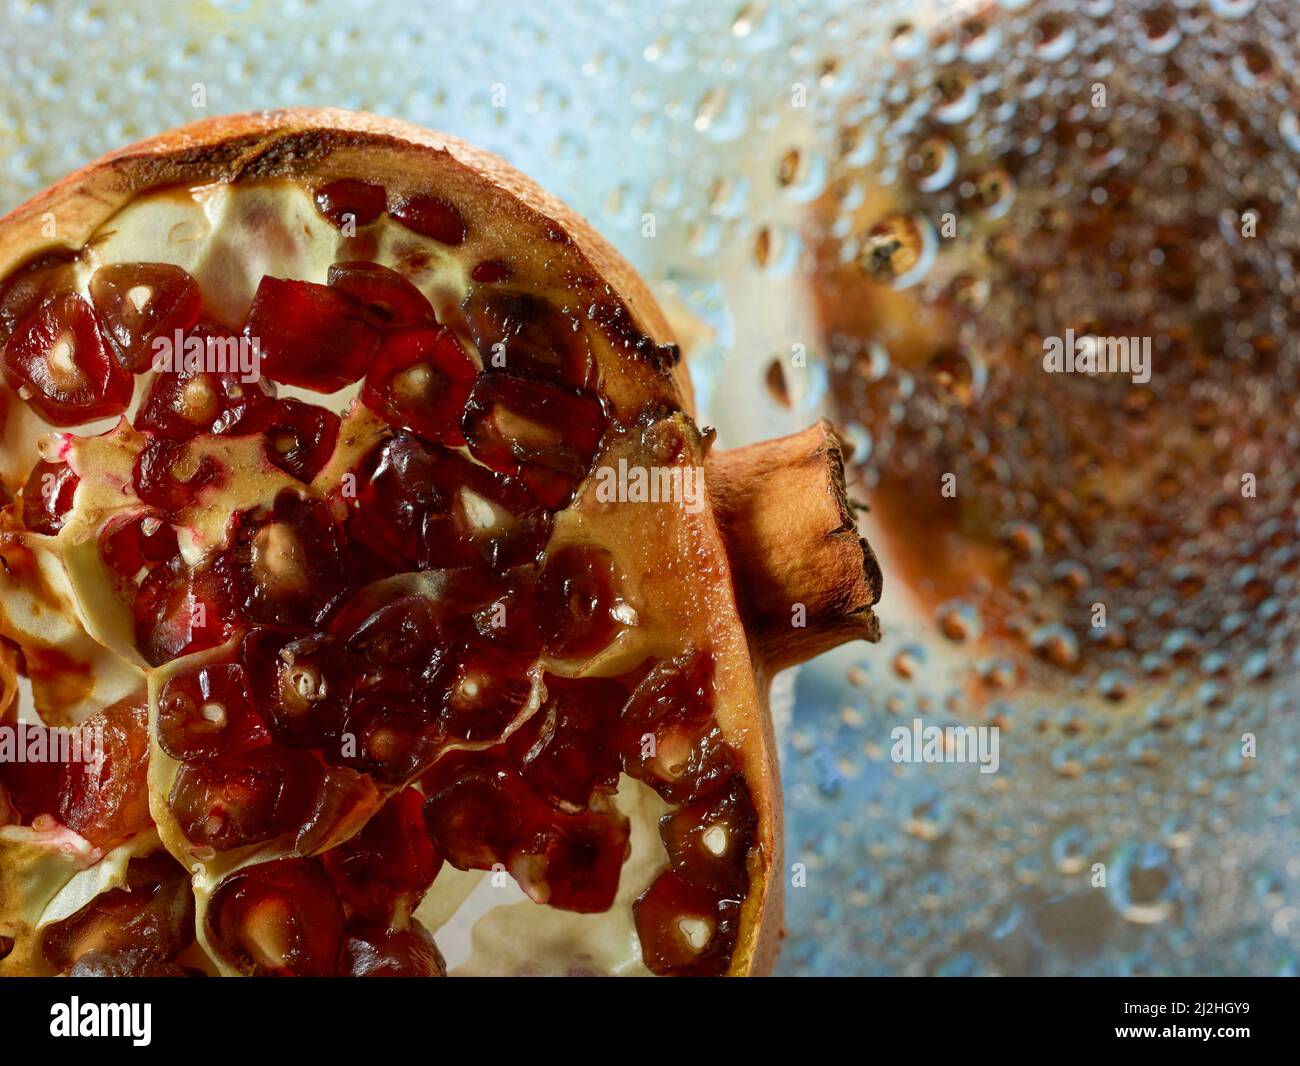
x: 420, y: 382
x: 685, y: 930
x: 576, y: 599
x: 310, y: 335
x: 432, y: 217
x: 374, y: 950
x: 183, y: 402
x: 289, y: 563
x: 278, y: 919
x: 383, y: 872
x: 247, y: 798
x: 544, y: 434
x: 526, y: 336
x: 708, y: 841
x: 143, y: 306
x: 105, y: 796
x: 128, y: 931
x: 350, y: 200
x: 670, y: 738
x: 47, y: 497
x: 181, y: 609
x: 390, y: 297
x: 58, y: 361
x: 300, y: 685
x: 170, y: 475
x: 566, y: 751
x: 207, y: 712
x: 300, y: 437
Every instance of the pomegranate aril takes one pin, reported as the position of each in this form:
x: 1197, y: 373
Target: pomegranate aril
x: 129, y: 962
x: 140, y: 303
x: 573, y: 862
x: 566, y: 751
x: 310, y: 335
x: 490, y: 517
x: 393, y: 626
x: 389, y: 735
x: 508, y: 624
x: 577, y: 597
x: 47, y: 497
x: 476, y: 808
x: 299, y: 437
x: 525, y: 335
x: 106, y: 799
x: 431, y: 217
x: 546, y: 435
x: 420, y: 382
x: 397, y: 493
x: 278, y: 919
x: 670, y: 739
x: 375, y: 950
x: 212, y: 396
x: 490, y: 271
x: 350, y: 200
x: 58, y: 360
x: 300, y: 684
x: 147, y: 923
x: 26, y: 288
x: 243, y: 799
x: 481, y: 694
x: 131, y: 545
x: 171, y: 474
x: 383, y: 871
x: 708, y: 841
x: 207, y: 712
x: 289, y: 563
x: 391, y: 297
x: 684, y: 929
x: 181, y: 609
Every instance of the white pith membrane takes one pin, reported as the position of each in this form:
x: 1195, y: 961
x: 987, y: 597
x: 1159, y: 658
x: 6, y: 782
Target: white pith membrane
x: 227, y: 238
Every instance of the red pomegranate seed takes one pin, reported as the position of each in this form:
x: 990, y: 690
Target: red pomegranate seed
x: 299, y: 437
x: 685, y: 930
x: 206, y: 712
x: 670, y: 739
x: 278, y: 919
x: 58, y: 361
x: 288, y: 563
x: 573, y: 862
x: 245, y: 798
x: 420, y: 382
x: 374, y: 950
x: 507, y: 625
x: 310, y: 335
x: 391, y: 297
x: 131, y: 545
x: 389, y: 735
x: 576, y: 599
x: 528, y: 337
x: 708, y: 841
x: 301, y: 685
x: 396, y: 495
x: 141, y: 304
x: 181, y: 609
x: 565, y: 750
x: 47, y: 497
x: 481, y: 693
x: 129, y: 962
x: 476, y: 809
x: 351, y: 200
x: 490, y: 271
x: 170, y: 475
x: 545, y: 435
x: 26, y: 288
x: 182, y: 403
x: 384, y: 871
x: 432, y: 217
x: 147, y: 923
x: 107, y: 800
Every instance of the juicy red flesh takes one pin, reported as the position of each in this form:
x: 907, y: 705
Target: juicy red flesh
x: 301, y: 685
x: 181, y: 609
x: 207, y: 394
x: 389, y: 296
x: 528, y: 337
x: 278, y: 919
x: 129, y: 931
x: 27, y: 287
x: 708, y: 841
x: 248, y: 798
x: 420, y: 382
x: 171, y: 474
x: 490, y: 271
x: 375, y: 950
x: 431, y: 217
x: 207, y: 712
x: 140, y: 304
x: 685, y: 930
x: 58, y: 359
x: 299, y: 437
x: 576, y: 597
x: 383, y: 872
x: 546, y: 435
x: 351, y: 200
x: 47, y: 497
x: 310, y: 335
